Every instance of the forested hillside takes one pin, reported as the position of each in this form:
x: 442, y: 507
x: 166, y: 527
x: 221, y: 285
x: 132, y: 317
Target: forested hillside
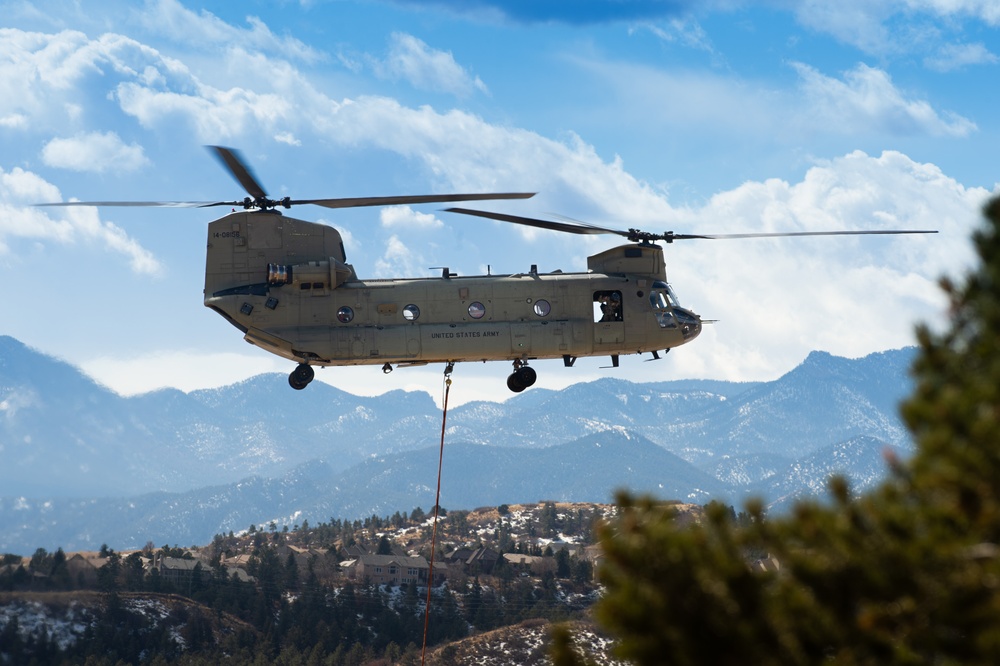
x: 286, y: 592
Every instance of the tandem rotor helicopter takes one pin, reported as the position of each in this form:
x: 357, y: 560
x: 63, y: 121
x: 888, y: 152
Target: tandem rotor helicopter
x: 286, y: 285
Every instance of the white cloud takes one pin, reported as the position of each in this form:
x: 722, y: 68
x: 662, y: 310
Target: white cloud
x: 407, y: 218
x: 182, y: 369
x: 866, y: 99
x: 170, y: 18
x: 863, y: 101
x: 986, y: 10
x: 19, y: 189
x: 956, y: 56
x: 14, y: 121
x: 860, y: 23
x: 94, y: 151
x: 221, y: 114
x: 892, y: 27
x: 413, y: 61
x: 400, y: 259
x: 43, y: 77
x: 685, y: 31
x: 778, y: 299
x: 287, y: 138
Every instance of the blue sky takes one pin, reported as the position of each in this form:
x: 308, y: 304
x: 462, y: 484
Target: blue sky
x: 697, y: 117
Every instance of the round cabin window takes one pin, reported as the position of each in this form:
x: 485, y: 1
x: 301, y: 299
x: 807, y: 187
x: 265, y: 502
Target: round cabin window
x: 477, y: 310
x: 411, y: 312
x: 542, y: 308
x: 345, y: 315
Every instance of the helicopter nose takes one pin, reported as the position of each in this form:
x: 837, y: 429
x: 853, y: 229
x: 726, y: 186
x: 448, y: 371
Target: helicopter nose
x: 689, y: 321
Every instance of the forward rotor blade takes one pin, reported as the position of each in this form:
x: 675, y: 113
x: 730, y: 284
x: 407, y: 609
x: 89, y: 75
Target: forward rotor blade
x: 145, y: 204
x: 236, y: 165
x: 354, y: 202
x: 347, y: 202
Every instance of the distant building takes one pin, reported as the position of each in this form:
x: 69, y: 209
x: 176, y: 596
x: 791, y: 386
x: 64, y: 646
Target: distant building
x: 533, y: 564
x: 393, y: 569
x: 474, y: 561
x: 83, y: 569
x: 574, y: 549
x: 177, y: 570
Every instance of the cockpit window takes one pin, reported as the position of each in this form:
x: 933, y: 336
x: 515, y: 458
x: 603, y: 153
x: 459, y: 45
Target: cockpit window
x: 662, y: 301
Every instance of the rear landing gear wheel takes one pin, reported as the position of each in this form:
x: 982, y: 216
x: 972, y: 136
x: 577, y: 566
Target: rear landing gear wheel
x: 521, y: 378
x: 301, y: 376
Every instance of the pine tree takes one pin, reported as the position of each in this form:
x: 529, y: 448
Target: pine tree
x: 907, y: 573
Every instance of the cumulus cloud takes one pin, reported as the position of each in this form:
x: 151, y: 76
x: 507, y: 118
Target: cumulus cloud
x: 413, y: 61
x: 866, y: 99
x: 217, y: 114
x: 845, y: 295
x: 400, y: 259
x: 861, y: 101
x: 893, y: 27
x: 986, y: 10
x: 19, y: 189
x: 94, y: 151
x: 204, y: 29
x: 407, y: 218
x: 956, y: 56
x: 287, y: 138
x: 44, y: 77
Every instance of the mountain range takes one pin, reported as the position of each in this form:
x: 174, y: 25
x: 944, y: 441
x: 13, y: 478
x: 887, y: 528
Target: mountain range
x: 83, y: 465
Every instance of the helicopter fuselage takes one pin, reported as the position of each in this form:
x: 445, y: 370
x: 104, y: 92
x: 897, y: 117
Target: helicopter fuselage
x: 285, y: 283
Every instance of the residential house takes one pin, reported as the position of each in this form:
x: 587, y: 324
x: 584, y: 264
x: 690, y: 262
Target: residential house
x: 533, y: 564
x: 393, y: 569
x: 473, y: 561
x: 177, y: 570
x: 83, y: 569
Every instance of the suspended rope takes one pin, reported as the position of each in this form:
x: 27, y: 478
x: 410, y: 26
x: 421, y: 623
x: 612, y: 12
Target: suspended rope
x: 437, y: 507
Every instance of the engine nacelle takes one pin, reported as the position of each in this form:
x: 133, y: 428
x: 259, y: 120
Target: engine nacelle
x: 319, y: 274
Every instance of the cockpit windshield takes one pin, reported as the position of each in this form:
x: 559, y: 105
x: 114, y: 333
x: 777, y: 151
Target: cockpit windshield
x: 663, y: 300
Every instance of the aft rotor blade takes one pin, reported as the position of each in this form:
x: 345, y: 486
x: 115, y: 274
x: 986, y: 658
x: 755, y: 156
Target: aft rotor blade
x: 637, y: 235
x: 354, y: 202
x: 575, y: 228
x: 874, y: 232
x: 236, y: 165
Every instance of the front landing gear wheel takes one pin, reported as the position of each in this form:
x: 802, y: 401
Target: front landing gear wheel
x: 521, y: 378
x: 301, y: 376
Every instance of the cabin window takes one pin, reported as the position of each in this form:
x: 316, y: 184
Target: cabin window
x: 607, y: 306
x: 411, y: 312
x: 345, y: 315
x: 477, y: 310
x: 542, y: 308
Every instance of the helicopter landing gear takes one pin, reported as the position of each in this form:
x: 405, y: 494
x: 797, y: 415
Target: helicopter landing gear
x: 301, y: 376
x: 522, y: 377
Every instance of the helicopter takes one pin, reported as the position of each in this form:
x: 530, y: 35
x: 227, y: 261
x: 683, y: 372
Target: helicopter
x: 285, y: 284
